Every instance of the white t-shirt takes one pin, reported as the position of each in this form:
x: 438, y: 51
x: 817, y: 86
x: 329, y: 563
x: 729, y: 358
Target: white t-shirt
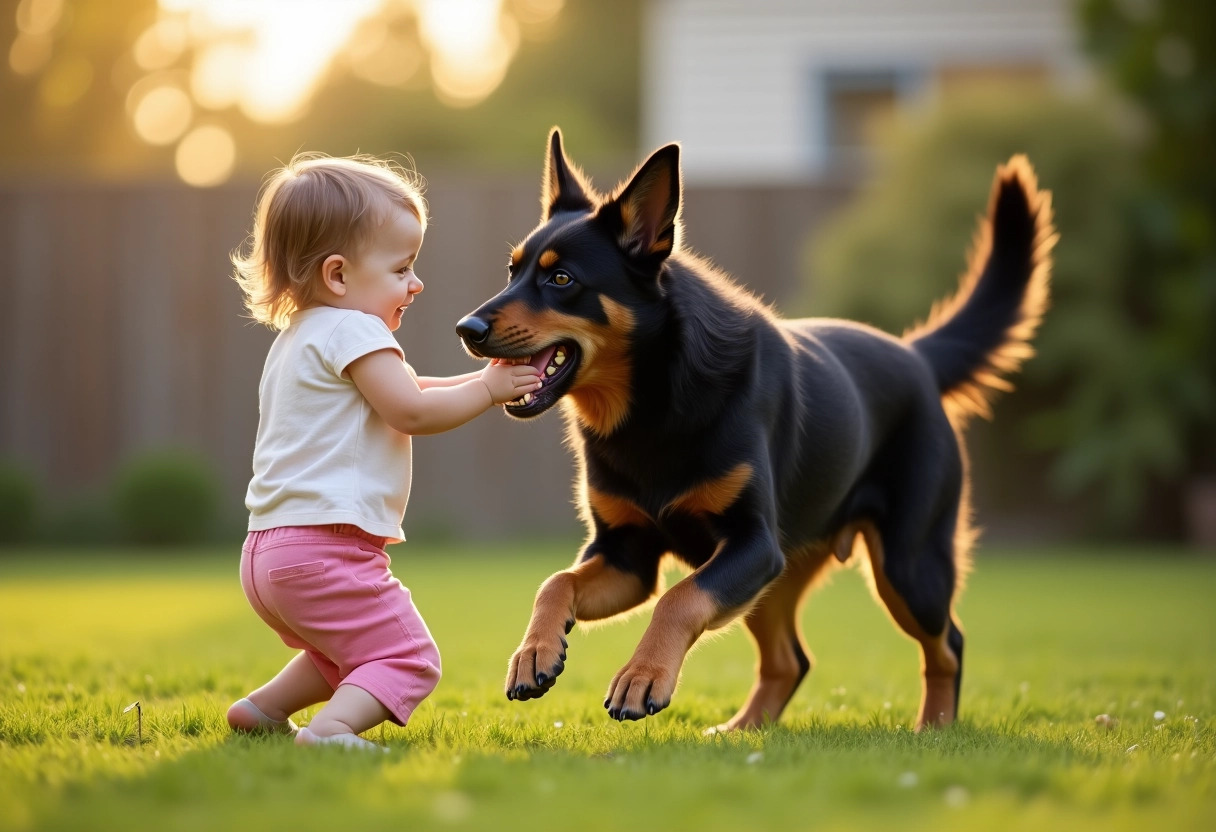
x: 323, y: 455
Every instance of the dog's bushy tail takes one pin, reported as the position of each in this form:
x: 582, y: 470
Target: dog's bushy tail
x: 973, y: 340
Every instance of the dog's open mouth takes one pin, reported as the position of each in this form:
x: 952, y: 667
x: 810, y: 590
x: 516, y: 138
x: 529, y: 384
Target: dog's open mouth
x: 557, y: 364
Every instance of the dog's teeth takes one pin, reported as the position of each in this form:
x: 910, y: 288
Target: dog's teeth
x: 560, y: 357
x: 550, y: 370
x: 527, y: 398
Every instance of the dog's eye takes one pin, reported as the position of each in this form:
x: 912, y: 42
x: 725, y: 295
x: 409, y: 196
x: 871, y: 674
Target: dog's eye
x: 560, y: 279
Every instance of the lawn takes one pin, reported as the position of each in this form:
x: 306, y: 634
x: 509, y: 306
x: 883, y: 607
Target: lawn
x: 1055, y: 638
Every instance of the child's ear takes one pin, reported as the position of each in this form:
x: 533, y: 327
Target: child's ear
x: 563, y: 187
x: 645, y: 212
x: 333, y: 274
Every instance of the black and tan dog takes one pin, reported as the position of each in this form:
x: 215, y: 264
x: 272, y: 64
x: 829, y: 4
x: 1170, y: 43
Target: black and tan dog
x: 749, y: 447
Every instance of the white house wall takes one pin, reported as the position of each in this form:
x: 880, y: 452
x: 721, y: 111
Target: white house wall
x: 740, y: 82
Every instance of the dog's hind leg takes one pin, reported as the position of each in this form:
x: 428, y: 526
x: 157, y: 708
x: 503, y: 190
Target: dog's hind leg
x: 918, y: 596
x: 784, y: 659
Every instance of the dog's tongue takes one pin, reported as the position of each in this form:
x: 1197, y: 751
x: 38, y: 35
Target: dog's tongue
x: 541, y: 359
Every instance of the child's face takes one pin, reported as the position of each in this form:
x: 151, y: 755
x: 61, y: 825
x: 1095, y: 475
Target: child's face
x: 380, y: 280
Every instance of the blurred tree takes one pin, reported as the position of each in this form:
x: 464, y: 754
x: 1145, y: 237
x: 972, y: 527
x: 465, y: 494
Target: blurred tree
x: 63, y: 96
x: 1121, y: 387
x: 1162, y: 55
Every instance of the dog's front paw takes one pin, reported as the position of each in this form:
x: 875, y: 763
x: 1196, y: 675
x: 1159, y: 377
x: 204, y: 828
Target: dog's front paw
x: 537, y: 663
x: 640, y: 689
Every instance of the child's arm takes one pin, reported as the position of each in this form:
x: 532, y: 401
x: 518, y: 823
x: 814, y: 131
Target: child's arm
x: 398, y: 398
x: 427, y: 382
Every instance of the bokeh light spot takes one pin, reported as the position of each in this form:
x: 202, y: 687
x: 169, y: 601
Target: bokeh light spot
x: 67, y: 80
x: 219, y: 75
x: 38, y: 17
x: 29, y: 53
x: 162, y: 115
x: 206, y: 156
x: 161, y: 44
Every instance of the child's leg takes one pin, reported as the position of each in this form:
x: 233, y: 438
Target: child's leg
x: 349, y: 712
x: 296, y: 686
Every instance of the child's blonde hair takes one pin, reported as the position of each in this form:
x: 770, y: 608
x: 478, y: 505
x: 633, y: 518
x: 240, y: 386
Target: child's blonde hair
x: 313, y: 207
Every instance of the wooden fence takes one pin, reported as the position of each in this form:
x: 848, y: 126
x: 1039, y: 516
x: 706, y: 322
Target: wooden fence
x: 123, y: 332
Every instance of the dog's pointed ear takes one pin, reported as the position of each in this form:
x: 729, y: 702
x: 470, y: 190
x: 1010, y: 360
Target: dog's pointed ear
x: 563, y: 187
x: 646, y: 212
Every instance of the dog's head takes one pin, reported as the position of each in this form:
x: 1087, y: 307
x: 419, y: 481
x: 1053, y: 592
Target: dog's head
x: 583, y: 286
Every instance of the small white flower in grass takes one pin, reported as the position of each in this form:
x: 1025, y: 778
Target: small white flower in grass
x: 755, y: 757
x: 886, y: 706
x: 1158, y: 715
x: 558, y: 724
x: 1106, y: 721
x: 956, y: 796
x: 907, y: 780
x: 20, y: 687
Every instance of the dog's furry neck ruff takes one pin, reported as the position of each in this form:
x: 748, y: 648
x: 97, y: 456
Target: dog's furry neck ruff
x: 708, y: 336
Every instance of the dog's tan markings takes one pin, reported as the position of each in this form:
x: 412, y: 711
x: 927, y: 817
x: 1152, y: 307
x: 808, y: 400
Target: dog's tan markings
x: 547, y: 259
x: 589, y: 591
x: 601, y: 393
x: 939, y: 665
x: 682, y: 614
x: 713, y: 496
x: 614, y: 510
x: 660, y: 245
x: 773, y: 626
x: 517, y: 255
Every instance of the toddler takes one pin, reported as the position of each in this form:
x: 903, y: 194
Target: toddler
x: 331, y: 266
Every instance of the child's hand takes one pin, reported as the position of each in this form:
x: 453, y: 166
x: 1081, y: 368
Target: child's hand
x: 507, y: 382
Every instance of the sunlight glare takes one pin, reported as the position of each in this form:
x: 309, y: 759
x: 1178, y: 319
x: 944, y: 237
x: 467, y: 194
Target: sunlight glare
x: 472, y: 43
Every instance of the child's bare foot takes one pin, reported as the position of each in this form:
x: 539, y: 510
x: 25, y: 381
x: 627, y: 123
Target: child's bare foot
x: 245, y: 716
x: 307, y: 737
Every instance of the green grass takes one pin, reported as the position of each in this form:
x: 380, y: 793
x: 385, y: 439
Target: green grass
x: 1054, y: 639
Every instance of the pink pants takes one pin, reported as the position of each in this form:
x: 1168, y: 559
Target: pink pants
x: 327, y: 590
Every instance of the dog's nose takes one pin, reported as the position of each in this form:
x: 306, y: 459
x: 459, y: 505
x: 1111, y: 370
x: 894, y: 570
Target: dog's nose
x: 473, y: 329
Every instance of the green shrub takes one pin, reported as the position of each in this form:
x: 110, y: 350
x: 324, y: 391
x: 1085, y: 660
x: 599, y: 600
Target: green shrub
x: 18, y: 503
x: 1120, y: 375
x: 166, y: 497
